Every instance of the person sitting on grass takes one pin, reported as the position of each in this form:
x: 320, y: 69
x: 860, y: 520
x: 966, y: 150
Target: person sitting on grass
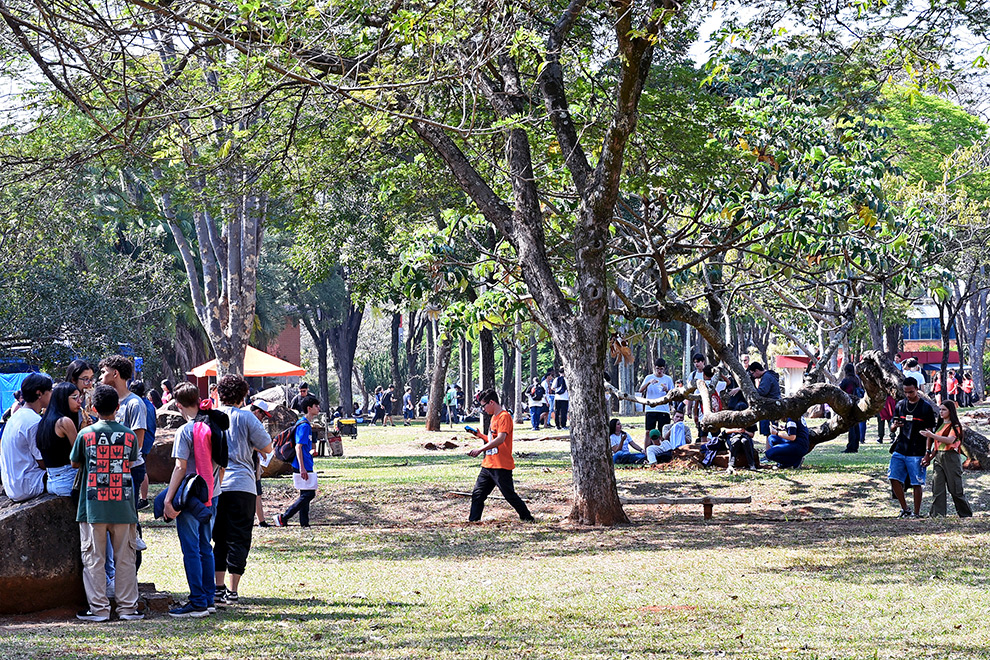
x: 622, y: 443
x: 674, y: 435
x: 788, y: 443
x: 193, y: 452
x: 303, y: 474
x: 102, y: 453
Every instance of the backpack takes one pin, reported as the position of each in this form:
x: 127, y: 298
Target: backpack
x: 538, y: 392
x: 285, y: 443
x: 561, y: 385
x: 218, y: 422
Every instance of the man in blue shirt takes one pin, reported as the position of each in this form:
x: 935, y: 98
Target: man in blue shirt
x: 303, y: 475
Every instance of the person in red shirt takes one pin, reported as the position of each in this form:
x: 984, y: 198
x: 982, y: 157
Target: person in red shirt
x: 952, y: 386
x: 967, y: 391
x: 497, y: 466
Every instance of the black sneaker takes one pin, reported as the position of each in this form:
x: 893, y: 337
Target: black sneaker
x: 905, y: 514
x: 142, y: 504
x: 264, y: 523
x: 88, y: 615
x: 220, y: 594
x: 188, y: 610
x: 231, y: 596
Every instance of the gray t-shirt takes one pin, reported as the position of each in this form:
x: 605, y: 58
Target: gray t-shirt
x: 183, y: 448
x: 134, y: 415
x: 245, y: 436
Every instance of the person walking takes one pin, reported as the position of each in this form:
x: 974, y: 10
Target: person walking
x: 943, y: 454
x: 303, y: 474
x: 562, y: 401
x: 912, y: 415
x: 853, y: 386
x: 497, y: 466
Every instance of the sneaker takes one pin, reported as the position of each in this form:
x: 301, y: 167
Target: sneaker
x: 87, y: 615
x: 188, y: 610
x: 140, y: 546
x: 916, y: 515
x: 142, y: 504
x: 133, y: 616
x: 212, y: 609
x: 264, y: 523
x: 280, y: 520
x: 220, y: 594
x: 905, y: 514
x: 231, y: 596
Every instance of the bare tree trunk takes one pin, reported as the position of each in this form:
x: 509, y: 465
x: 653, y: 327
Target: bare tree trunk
x: 342, y: 340
x: 396, y: 367
x: 533, y: 357
x: 437, y: 383
x: 508, y: 375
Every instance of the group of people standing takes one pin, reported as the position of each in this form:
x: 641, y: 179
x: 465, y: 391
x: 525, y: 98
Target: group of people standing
x: 87, y: 438
x: 548, y: 401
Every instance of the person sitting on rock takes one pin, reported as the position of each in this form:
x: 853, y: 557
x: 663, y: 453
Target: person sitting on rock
x: 622, y: 443
x: 788, y: 443
x: 22, y: 468
x: 56, y: 435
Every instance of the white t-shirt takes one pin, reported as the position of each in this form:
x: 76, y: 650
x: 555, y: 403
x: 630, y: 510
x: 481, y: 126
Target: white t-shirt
x: 19, y: 456
x: 657, y: 387
x: 623, y: 439
x: 678, y: 435
x: 561, y: 396
x: 918, y: 375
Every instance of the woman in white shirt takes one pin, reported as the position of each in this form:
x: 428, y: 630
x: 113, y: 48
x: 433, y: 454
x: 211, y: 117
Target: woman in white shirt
x: 622, y: 444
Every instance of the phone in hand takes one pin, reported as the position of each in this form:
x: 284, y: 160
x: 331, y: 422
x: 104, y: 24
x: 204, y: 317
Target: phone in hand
x: 471, y: 430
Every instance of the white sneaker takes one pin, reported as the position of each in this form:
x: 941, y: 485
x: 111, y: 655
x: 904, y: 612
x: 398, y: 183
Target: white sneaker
x: 141, y: 545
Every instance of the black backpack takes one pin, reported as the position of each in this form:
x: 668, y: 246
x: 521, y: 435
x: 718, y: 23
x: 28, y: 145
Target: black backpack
x: 561, y: 385
x: 219, y: 424
x: 285, y: 443
x: 538, y: 392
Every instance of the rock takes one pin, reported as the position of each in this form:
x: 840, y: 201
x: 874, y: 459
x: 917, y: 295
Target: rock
x: 40, y: 565
x: 431, y: 446
x: 450, y: 445
x: 273, y: 395
x: 159, y: 462
x: 281, y: 419
x: 169, y: 419
x: 276, y: 469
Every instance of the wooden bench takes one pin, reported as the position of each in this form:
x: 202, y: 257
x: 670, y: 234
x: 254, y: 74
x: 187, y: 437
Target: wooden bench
x: 706, y: 502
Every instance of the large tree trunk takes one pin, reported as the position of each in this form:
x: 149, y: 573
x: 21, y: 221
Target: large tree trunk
x: 323, y: 372
x: 438, y: 382
x: 396, y: 367
x: 342, y: 340
x: 508, y: 395
x: 486, y: 355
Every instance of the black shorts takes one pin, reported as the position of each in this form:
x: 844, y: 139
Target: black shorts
x: 258, y: 486
x: 656, y: 420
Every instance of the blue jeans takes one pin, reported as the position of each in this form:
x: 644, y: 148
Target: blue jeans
x: 137, y: 478
x: 783, y: 453
x: 621, y: 457
x: 60, y: 480
x: 197, y: 556
x: 534, y: 416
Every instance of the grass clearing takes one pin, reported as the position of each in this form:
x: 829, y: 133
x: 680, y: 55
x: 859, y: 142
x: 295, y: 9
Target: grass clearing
x: 816, y: 567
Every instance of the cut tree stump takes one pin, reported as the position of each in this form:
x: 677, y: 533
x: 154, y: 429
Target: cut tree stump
x: 707, y: 503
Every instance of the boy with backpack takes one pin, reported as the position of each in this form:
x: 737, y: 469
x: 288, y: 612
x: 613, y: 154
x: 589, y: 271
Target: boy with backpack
x: 103, y: 453
x: 303, y: 475
x: 200, y: 453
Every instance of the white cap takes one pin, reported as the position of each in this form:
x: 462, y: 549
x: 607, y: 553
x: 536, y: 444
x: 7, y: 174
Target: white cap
x: 262, y: 405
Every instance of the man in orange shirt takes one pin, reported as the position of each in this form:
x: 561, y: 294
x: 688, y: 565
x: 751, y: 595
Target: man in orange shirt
x: 497, y: 466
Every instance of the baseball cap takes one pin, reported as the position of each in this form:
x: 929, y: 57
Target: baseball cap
x: 654, y: 433
x: 262, y: 406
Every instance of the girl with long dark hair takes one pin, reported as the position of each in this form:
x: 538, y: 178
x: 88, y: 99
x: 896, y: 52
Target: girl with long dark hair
x: 80, y: 373
x: 167, y: 391
x: 56, y: 435
x: 946, y: 459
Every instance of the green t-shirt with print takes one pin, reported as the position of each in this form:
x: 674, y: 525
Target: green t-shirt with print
x: 105, y: 451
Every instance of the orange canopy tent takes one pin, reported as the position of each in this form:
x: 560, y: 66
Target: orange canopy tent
x: 256, y: 363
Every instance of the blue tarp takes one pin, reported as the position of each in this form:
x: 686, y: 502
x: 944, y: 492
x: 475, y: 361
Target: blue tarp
x: 9, y: 383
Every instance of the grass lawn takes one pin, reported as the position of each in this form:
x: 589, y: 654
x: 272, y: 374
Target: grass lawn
x: 816, y: 567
